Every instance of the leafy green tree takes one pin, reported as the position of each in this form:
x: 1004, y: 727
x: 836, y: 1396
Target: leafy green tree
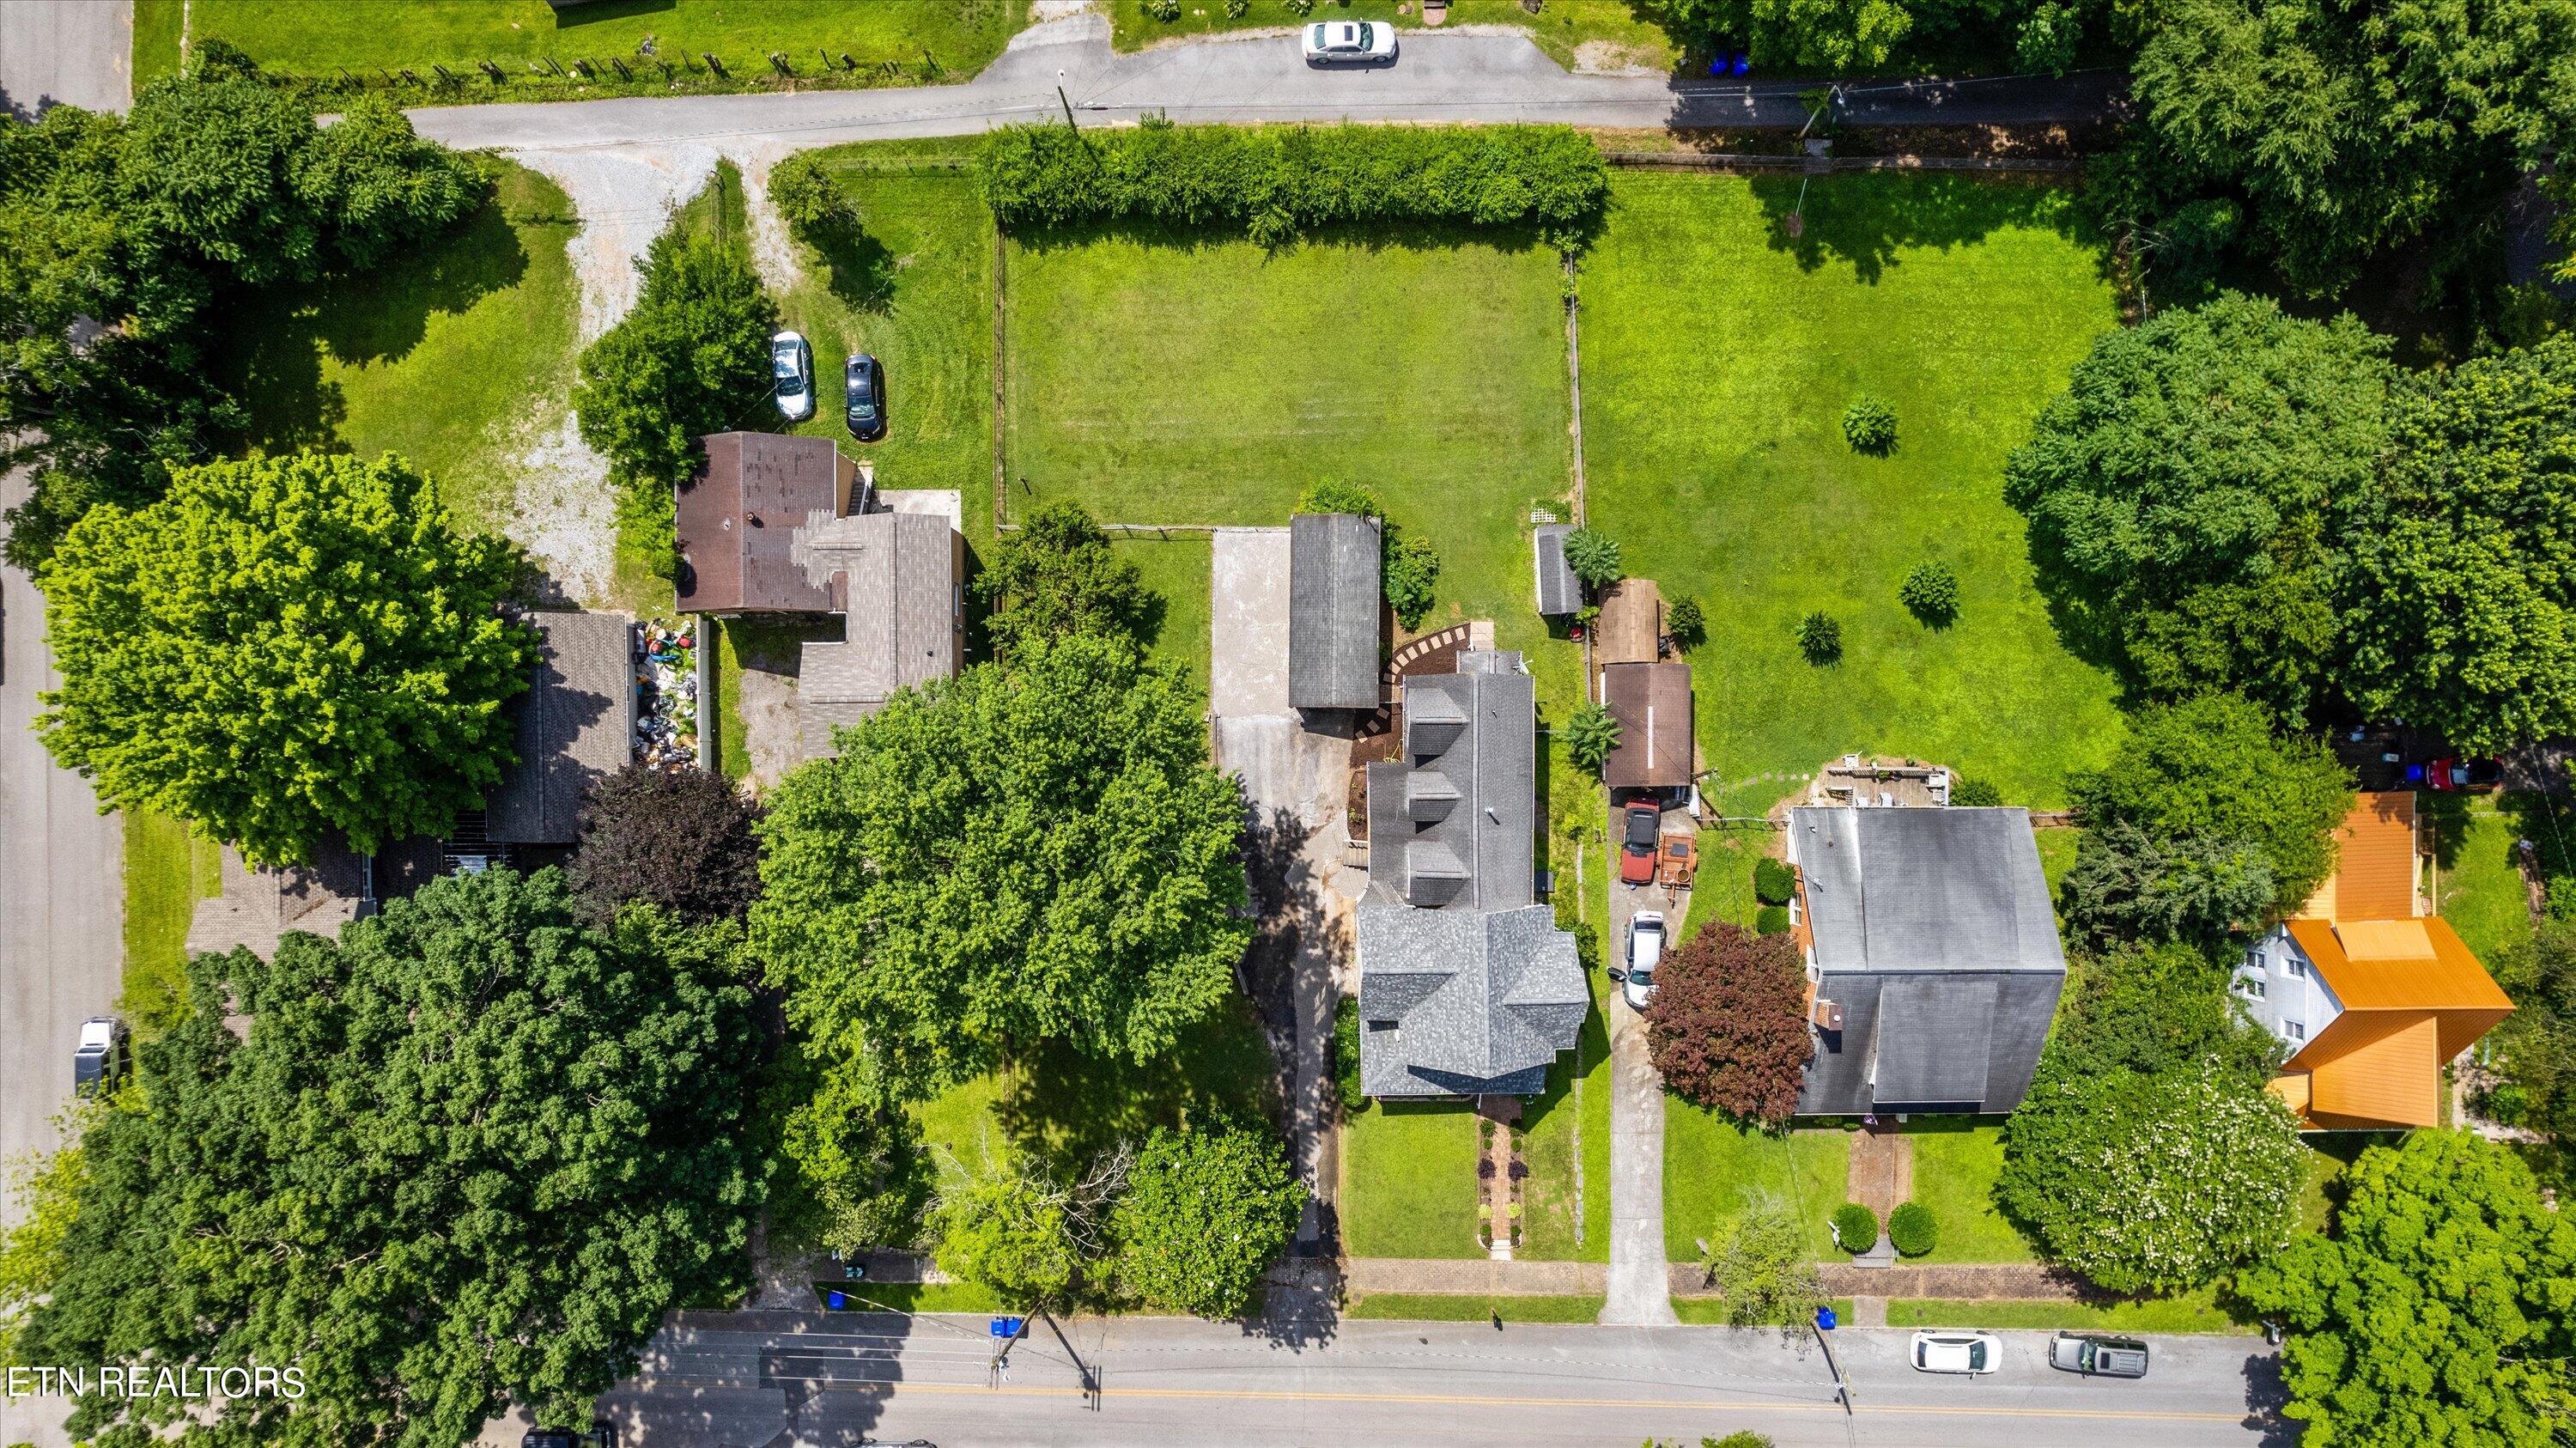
x: 46, y: 1190
x: 849, y: 1171
x: 818, y: 210
x: 2130, y: 885
x: 1056, y: 575
x: 1930, y: 592
x: 2442, y: 1309
x: 466, y: 1156
x: 2181, y: 491
x: 1408, y: 566
x: 1869, y: 425
x: 1820, y: 638
x: 379, y: 185
x: 2152, y: 1010
x: 1827, y: 36
x: 2534, y: 1065
x: 1759, y: 1260
x: 1204, y: 1214
x: 2461, y: 608
x: 1970, y: 793
x: 2352, y: 129
x: 2212, y: 768
x: 1687, y: 624
x: 1594, y: 557
x: 1590, y: 735
x: 1015, y: 1233
x: 1009, y: 858
x: 284, y: 648
x: 681, y: 839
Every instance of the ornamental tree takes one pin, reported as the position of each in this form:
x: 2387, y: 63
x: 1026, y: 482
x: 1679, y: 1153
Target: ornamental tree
x: 2130, y: 885
x: 2461, y: 603
x: 466, y: 1156
x: 2211, y: 768
x: 1204, y: 1214
x: 1017, y: 856
x: 2180, y: 494
x: 1055, y: 575
x: 2442, y: 1308
x: 1593, y: 556
x: 680, y: 839
x: 1591, y: 733
x: 283, y: 648
x: 1728, y: 1023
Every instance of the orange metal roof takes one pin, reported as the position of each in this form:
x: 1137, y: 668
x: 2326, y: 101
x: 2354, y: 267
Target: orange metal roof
x: 2374, y: 877
x: 2398, y: 974
x: 2394, y: 1077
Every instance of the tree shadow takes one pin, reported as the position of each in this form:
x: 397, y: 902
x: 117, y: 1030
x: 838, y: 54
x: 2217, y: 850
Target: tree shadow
x: 1866, y: 220
x: 862, y: 269
x: 1367, y: 236
x: 1063, y: 1109
x: 574, y: 17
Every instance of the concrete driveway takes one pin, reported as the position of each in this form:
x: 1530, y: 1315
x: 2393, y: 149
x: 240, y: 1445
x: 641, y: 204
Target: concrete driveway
x: 1640, y: 1292
x: 66, y: 53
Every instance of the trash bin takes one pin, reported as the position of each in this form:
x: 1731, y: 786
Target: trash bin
x: 1825, y: 1319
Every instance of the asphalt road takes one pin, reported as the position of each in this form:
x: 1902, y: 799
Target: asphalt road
x: 779, y: 1379
x: 1451, y: 77
x: 66, y: 52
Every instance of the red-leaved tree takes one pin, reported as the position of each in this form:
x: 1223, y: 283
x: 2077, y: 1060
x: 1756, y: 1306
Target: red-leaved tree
x: 1728, y: 1024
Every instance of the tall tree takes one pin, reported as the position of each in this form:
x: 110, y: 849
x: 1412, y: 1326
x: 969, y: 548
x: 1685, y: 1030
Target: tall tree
x: 2212, y: 768
x: 1012, y: 857
x: 2130, y: 885
x: 1056, y: 574
x: 283, y: 648
x: 680, y: 839
x: 2442, y: 1308
x: 1728, y: 1023
x: 2181, y: 496
x: 2534, y: 1062
x: 2461, y: 607
x: 1204, y: 1214
x: 466, y: 1156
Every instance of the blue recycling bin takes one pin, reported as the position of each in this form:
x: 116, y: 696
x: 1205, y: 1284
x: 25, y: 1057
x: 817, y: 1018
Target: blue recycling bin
x: 1742, y: 64
x: 1006, y: 1326
x: 1825, y: 1319
x: 836, y: 1300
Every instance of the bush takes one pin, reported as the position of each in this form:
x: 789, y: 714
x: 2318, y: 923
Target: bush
x: 1855, y: 1227
x: 1407, y: 563
x: 1204, y: 1214
x: 817, y: 211
x: 680, y: 839
x: 1590, y: 736
x: 1974, y: 793
x: 1931, y: 593
x: 1056, y: 575
x: 1685, y: 623
x: 1869, y: 425
x: 1728, y: 1024
x: 1913, y: 1230
x: 1164, y: 10
x: 1235, y: 9
x: 1771, y: 920
x: 1774, y: 883
x: 1346, y: 1056
x: 1275, y: 182
x: 1594, y: 557
x: 1758, y: 1261
x: 1299, y: 7
x: 1820, y: 639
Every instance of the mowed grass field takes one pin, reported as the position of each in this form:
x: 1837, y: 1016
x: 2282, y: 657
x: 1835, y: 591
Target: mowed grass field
x: 1603, y: 34
x: 1714, y: 1168
x: 1717, y: 359
x: 1409, y: 1181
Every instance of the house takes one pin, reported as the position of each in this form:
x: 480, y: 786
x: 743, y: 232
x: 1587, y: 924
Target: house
x: 2370, y: 992
x: 574, y: 726
x: 1933, y: 954
x: 741, y: 521
x: 1652, y: 705
x: 1334, y: 604
x: 897, y: 580
x: 1467, y: 988
x: 1560, y: 593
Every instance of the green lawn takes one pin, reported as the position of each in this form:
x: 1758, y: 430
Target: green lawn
x: 2474, y: 848
x: 929, y: 1297
x: 1619, y: 34
x: 2056, y: 854
x: 1409, y: 1181
x: 316, y: 37
x: 1178, y: 568
x: 1548, y: 1143
x: 1417, y: 1307
x: 1956, y: 1161
x: 168, y: 870
x: 156, y: 38
x: 1712, y: 1167
x: 1723, y: 889
x: 1718, y: 356
x: 2190, y: 1312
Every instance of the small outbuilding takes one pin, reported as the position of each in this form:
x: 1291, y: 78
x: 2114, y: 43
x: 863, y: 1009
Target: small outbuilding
x: 1334, y: 607
x: 1560, y: 593
x: 574, y: 726
x: 1652, y: 704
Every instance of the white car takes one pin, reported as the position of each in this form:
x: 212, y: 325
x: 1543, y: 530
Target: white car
x: 1362, y: 42
x: 791, y: 362
x: 1973, y: 1353
x: 1645, y: 947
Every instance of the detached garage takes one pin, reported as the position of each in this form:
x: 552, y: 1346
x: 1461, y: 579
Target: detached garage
x: 1652, y: 703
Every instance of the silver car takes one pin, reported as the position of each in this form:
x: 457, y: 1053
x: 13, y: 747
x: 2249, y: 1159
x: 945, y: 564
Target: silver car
x: 791, y: 363
x: 1645, y: 947
x: 1358, y: 42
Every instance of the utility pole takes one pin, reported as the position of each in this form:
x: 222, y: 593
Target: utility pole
x: 1068, y: 104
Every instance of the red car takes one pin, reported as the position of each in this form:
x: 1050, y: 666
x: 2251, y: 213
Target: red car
x: 2464, y: 774
x: 1639, y: 827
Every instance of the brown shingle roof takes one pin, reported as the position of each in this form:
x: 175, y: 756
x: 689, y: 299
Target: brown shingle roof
x: 738, y: 518
x: 1652, y: 703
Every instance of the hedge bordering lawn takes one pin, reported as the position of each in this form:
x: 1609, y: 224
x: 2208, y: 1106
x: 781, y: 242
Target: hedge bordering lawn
x: 1278, y: 181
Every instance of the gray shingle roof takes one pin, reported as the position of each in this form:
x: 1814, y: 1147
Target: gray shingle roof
x: 1559, y: 591
x: 1450, y: 823
x: 893, y: 577
x: 1333, y: 607
x: 1465, y: 1003
x: 574, y: 726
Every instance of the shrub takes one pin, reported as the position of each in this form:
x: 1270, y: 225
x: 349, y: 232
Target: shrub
x: 1594, y: 557
x: 1590, y: 736
x: 1771, y: 920
x: 1289, y: 179
x: 1728, y: 1024
x: 1685, y: 623
x: 1346, y: 1056
x: 1869, y: 425
x: 1235, y: 9
x: 1758, y: 1259
x: 1299, y: 7
x: 1056, y: 575
x: 1913, y: 1230
x: 1855, y: 1227
x: 1204, y: 1214
x: 817, y: 211
x: 1820, y: 638
x: 1774, y: 883
x: 1931, y: 593
x: 1164, y: 10
x: 1974, y: 793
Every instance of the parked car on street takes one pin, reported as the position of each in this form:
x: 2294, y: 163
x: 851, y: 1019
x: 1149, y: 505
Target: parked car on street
x: 863, y: 397
x: 2098, y: 1355
x: 791, y: 363
x: 1973, y: 1353
x: 1345, y: 42
x: 1639, y: 827
x: 1645, y: 947
x: 98, y: 1062
x: 2464, y: 774
x: 602, y: 1434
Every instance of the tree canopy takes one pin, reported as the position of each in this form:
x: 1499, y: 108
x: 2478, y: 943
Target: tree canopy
x: 2462, y: 602
x: 283, y: 648
x: 1204, y: 1214
x: 680, y: 839
x: 2534, y: 1061
x: 2212, y: 768
x: 1055, y: 574
x: 2130, y: 885
x: 2441, y: 1309
x: 466, y: 1156
x: 1728, y: 1023
x: 1012, y: 857
x: 2181, y: 493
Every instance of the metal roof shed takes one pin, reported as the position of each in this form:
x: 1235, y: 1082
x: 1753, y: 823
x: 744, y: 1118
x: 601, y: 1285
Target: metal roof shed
x: 1652, y: 703
x: 1559, y: 591
x: 1333, y: 608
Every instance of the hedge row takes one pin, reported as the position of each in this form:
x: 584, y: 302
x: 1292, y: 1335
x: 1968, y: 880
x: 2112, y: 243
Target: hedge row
x: 1278, y: 181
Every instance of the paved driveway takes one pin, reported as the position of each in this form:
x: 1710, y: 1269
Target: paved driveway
x: 1639, y: 1283
x: 66, y: 53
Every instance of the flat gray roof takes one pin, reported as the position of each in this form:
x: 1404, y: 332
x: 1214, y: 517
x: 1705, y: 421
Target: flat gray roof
x: 1333, y: 610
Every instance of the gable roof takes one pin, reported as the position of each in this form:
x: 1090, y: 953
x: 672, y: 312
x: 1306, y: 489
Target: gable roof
x: 573, y: 726
x: 1451, y: 822
x: 1652, y: 703
x: 1947, y: 888
x: 2374, y: 874
x: 1333, y: 608
x: 894, y: 579
x: 737, y: 518
x: 1480, y: 1001
x: 1559, y: 591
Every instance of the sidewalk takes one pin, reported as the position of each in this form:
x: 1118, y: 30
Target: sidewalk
x: 1999, y: 1281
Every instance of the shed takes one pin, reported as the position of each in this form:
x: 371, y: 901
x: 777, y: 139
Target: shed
x: 1652, y: 704
x: 574, y: 726
x: 1333, y: 611
x: 1560, y: 593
